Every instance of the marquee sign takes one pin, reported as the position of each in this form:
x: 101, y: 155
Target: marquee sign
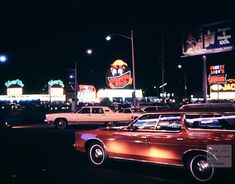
x: 228, y: 87
x: 119, y: 75
x: 14, y: 82
x: 56, y: 82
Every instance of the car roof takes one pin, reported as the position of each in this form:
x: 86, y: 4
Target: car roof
x: 208, y: 105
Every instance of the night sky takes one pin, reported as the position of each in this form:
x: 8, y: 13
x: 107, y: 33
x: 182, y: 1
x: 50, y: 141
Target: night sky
x: 44, y: 39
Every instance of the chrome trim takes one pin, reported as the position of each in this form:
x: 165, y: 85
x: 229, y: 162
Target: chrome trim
x: 203, y: 150
x: 211, y: 130
x: 145, y: 161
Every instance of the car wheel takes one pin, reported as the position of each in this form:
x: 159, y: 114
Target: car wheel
x: 61, y: 123
x: 201, y: 168
x: 97, y: 154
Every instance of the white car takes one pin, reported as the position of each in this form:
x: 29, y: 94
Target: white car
x: 136, y: 112
x: 95, y: 115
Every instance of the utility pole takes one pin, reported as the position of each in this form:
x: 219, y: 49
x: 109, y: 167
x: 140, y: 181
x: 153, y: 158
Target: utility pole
x: 163, y: 70
x: 204, y: 78
x: 75, y: 87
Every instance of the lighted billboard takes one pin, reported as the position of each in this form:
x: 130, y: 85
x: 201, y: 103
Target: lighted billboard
x: 210, y: 38
x: 118, y: 75
x: 223, y: 91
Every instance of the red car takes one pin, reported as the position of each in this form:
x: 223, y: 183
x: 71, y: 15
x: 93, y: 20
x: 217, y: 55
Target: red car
x: 172, y: 138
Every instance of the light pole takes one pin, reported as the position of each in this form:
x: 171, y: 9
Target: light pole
x: 185, y: 80
x: 74, y: 107
x: 131, y: 37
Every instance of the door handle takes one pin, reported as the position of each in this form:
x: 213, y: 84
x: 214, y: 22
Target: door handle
x: 180, y: 139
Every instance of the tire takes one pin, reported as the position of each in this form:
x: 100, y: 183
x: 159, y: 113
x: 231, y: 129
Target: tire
x: 201, y: 168
x: 61, y: 124
x: 97, y: 154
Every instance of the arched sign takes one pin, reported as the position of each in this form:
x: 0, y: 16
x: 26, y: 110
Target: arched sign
x: 119, y: 75
x: 56, y: 82
x: 16, y: 82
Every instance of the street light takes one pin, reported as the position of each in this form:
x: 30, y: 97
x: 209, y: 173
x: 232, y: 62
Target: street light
x: 3, y: 58
x: 108, y: 38
x: 74, y: 107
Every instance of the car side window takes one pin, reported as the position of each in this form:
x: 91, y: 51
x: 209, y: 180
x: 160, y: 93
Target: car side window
x: 171, y: 124
x: 97, y: 111
x: 145, y: 125
x: 84, y: 111
x: 151, y: 109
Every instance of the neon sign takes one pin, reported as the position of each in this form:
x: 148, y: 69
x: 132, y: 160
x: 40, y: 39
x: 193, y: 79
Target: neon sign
x: 229, y: 86
x: 217, y: 69
x: 119, y: 75
x: 56, y: 82
x: 217, y: 78
x: 121, y: 81
x: 14, y: 82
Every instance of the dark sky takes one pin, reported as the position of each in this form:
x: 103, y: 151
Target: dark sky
x: 44, y: 38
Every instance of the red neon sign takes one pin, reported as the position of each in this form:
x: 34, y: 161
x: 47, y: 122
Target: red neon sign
x: 217, y: 79
x: 217, y: 69
x: 120, y: 81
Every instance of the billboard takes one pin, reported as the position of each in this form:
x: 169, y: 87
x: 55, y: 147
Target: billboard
x: 210, y: 38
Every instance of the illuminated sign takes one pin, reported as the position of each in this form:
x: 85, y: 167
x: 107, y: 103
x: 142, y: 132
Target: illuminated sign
x: 56, y: 82
x: 217, y: 79
x: 14, y: 82
x: 217, y: 69
x: 121, y: 81
x: 14, y: 91
x: 229, y: 86
x: 86, y: 93
x: 119, y: 75
x: 56, y: 91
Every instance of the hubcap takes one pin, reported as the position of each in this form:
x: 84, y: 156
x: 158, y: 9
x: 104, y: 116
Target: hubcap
x: 202, y: 168
x: 202, y: 165
x: 97, y: 154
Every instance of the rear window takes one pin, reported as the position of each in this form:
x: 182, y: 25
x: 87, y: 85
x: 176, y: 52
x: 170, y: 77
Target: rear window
x: 209, y: 123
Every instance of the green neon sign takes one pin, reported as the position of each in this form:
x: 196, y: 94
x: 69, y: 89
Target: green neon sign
x: 56, y: 82
x: 14, y: 82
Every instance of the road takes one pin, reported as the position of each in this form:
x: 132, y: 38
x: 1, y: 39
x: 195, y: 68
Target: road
x: 42, y: 154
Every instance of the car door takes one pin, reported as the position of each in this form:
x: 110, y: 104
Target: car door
x: 82, y: 116
x: 97, y: 115
x: 167, y: 142
x: 133, y: 142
